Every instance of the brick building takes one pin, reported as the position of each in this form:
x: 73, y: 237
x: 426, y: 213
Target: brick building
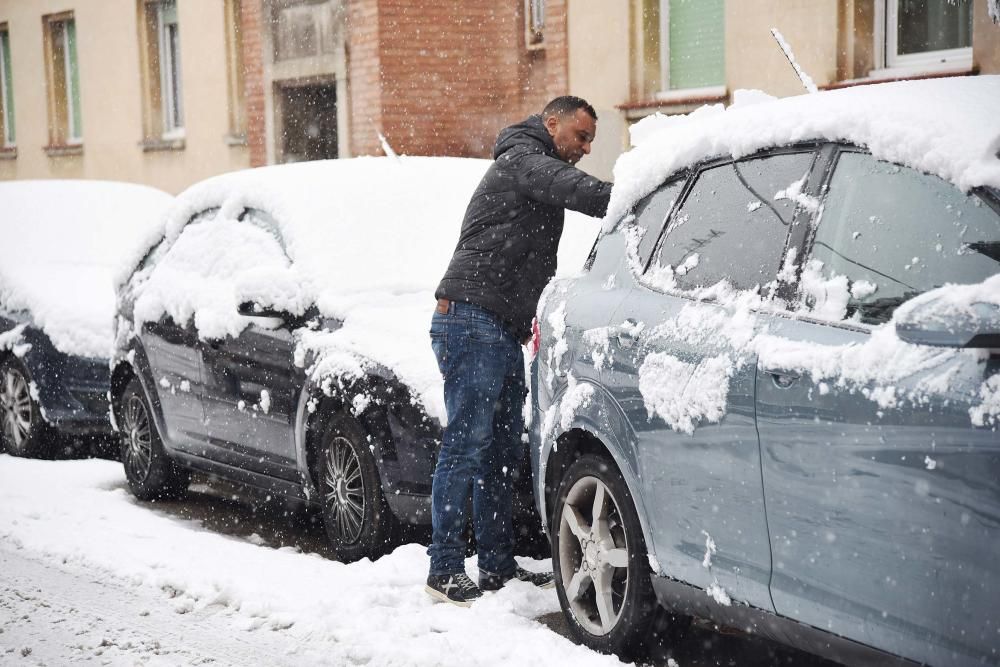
x: 433, y: 77
x: 168, y: 92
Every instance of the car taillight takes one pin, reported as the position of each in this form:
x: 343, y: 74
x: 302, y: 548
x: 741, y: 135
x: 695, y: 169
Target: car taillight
x: 536, y: 338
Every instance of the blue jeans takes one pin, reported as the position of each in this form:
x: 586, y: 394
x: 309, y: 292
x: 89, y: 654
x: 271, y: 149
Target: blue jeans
x: 483, y: 369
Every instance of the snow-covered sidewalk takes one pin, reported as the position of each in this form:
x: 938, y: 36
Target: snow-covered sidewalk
x: 177, y: 593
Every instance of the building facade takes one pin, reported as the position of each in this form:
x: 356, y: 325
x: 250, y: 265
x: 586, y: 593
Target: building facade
x: 148, y: 91
x: 167, y: 92
x: 632, y: 58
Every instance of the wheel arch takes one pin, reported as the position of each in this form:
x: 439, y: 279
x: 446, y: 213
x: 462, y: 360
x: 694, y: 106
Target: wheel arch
x: 598, y: 430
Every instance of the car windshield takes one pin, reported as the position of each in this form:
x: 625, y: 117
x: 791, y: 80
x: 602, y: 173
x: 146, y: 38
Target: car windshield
x: 896, y: 233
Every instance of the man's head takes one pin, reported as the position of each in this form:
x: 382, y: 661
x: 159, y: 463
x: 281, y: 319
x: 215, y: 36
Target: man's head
x: 572, y: 123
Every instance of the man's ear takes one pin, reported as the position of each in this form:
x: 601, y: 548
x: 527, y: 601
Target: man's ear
x: 552, y: 124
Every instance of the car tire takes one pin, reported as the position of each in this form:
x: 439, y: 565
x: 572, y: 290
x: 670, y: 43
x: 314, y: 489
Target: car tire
x: 23, y: 431
x: 150, y: 473
x: 601, y: 569
x: 357, y: 518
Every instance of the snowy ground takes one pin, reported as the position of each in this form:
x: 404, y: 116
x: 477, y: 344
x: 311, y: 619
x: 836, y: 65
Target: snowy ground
x: 89, y: 575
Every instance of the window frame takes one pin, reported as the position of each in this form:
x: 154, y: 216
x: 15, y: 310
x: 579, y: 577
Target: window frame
x: 889, y: 62
x: 65, y: 113
x: 8, y: 127
x: 171, y: 82
x: 236, y: 85
x: 665, y: 91
x: 534, y: 24
x: 798, y: 225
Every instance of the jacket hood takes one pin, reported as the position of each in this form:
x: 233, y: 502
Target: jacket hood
x: 530, y: 131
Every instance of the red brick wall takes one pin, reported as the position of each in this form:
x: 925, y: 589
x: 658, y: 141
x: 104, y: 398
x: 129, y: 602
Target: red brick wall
x: 253, y: 82
x: 441, y: 77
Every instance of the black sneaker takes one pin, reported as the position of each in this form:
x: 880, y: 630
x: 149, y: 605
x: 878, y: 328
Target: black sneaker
x: 457, y: 589
x: 494, y: 582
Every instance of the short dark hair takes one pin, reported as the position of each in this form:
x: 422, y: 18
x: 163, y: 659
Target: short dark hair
x: 567, y: 105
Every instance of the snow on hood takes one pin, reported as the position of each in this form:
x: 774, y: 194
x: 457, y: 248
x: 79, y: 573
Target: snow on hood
x: 61, y: 242
x: 946, y: 127
x: 368, y: 240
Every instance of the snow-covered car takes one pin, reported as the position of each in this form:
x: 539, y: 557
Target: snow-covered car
x: 277, y: 335
x: 773, y: 397
x: 60, y: 242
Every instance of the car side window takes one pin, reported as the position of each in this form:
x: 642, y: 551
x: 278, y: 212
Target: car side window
x: 734, y: 222
x: 158, y: 250
x: 895, y: 233
x: 265, y: 221
x: 651, y: 213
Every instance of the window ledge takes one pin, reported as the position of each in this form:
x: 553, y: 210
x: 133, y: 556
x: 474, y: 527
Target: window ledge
x: 235, y: 139
x: 63, y: 150
x: 154, y: 145
x: 675, y: 101
x: 8, y: 152
x: 898, y: 74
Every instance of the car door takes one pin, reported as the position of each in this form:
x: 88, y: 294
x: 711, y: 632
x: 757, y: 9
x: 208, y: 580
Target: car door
x: 883, y: 496
x: 680, y: 372
x: 173, y: 364
x: 252, y: 387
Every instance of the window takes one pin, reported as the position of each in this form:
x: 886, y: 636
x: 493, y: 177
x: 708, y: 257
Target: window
x: 650, y: 215
x: 923, y: 34
x: 734, y: 223
x: 234, y: 62
x: 692, y: 48
x: 534, y: 23
x: 161, y: 66
x: 63, y: 78
x: 896, y: 233
x: 7, y: 133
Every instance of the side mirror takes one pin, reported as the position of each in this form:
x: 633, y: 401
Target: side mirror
x: 253, y: 309
x: 943, y: 322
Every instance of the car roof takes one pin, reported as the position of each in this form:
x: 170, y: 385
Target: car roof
x: 360, y: 224
x: 948, y: 127
x: 62, y: 240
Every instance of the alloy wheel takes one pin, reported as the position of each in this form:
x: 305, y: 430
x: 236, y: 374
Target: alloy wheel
x: 593, y: 556
x: 137, y: 453
x: 15, y: 404
x: 344, y: 489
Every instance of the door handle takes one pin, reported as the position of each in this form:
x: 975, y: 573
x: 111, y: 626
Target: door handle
x: 627, y: 333
x: 783, y: 380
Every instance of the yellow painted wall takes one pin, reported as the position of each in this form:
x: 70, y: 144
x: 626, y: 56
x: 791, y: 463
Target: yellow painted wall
x: 110, y: 95
x: 598, y: 32
x: 753, y: 59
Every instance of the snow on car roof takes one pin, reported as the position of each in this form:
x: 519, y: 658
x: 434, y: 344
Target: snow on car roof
x: 61, y: 242
x: 368, y: 238
x: 947, y: 127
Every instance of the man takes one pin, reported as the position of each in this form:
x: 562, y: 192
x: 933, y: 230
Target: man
x: 506, y: 254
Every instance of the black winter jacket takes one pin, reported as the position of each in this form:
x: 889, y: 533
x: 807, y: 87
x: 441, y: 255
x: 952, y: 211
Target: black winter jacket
x: 506, y: 251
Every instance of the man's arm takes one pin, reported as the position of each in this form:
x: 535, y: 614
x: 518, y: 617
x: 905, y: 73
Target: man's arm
x: 551, y: 181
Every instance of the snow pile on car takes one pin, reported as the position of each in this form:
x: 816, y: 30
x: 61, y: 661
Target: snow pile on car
x: 365, y: 240
x: 946, y: 127
x: 61, y: 243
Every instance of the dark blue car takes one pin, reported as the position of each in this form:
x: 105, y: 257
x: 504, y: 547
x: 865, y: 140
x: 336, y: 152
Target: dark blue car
x: 60, y: 243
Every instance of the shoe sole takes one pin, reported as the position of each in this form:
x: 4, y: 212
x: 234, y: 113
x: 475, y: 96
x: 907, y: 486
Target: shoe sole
x: 551, y: 584
x: 441, y: 597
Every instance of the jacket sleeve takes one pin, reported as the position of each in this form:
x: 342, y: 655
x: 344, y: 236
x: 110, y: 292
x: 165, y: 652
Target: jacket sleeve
x: 549, y: 180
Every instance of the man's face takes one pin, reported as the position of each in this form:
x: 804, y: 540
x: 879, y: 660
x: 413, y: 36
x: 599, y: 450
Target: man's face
x: 572, y: 134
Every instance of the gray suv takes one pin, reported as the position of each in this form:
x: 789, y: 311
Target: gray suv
x: 734, y: 414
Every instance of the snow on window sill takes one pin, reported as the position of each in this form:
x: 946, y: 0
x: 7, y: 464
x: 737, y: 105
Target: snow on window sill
x: 901, y: 74
x: 164, y: 144
x: 675, y: 101
x: 63, y: 150
x: 233, y: 139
